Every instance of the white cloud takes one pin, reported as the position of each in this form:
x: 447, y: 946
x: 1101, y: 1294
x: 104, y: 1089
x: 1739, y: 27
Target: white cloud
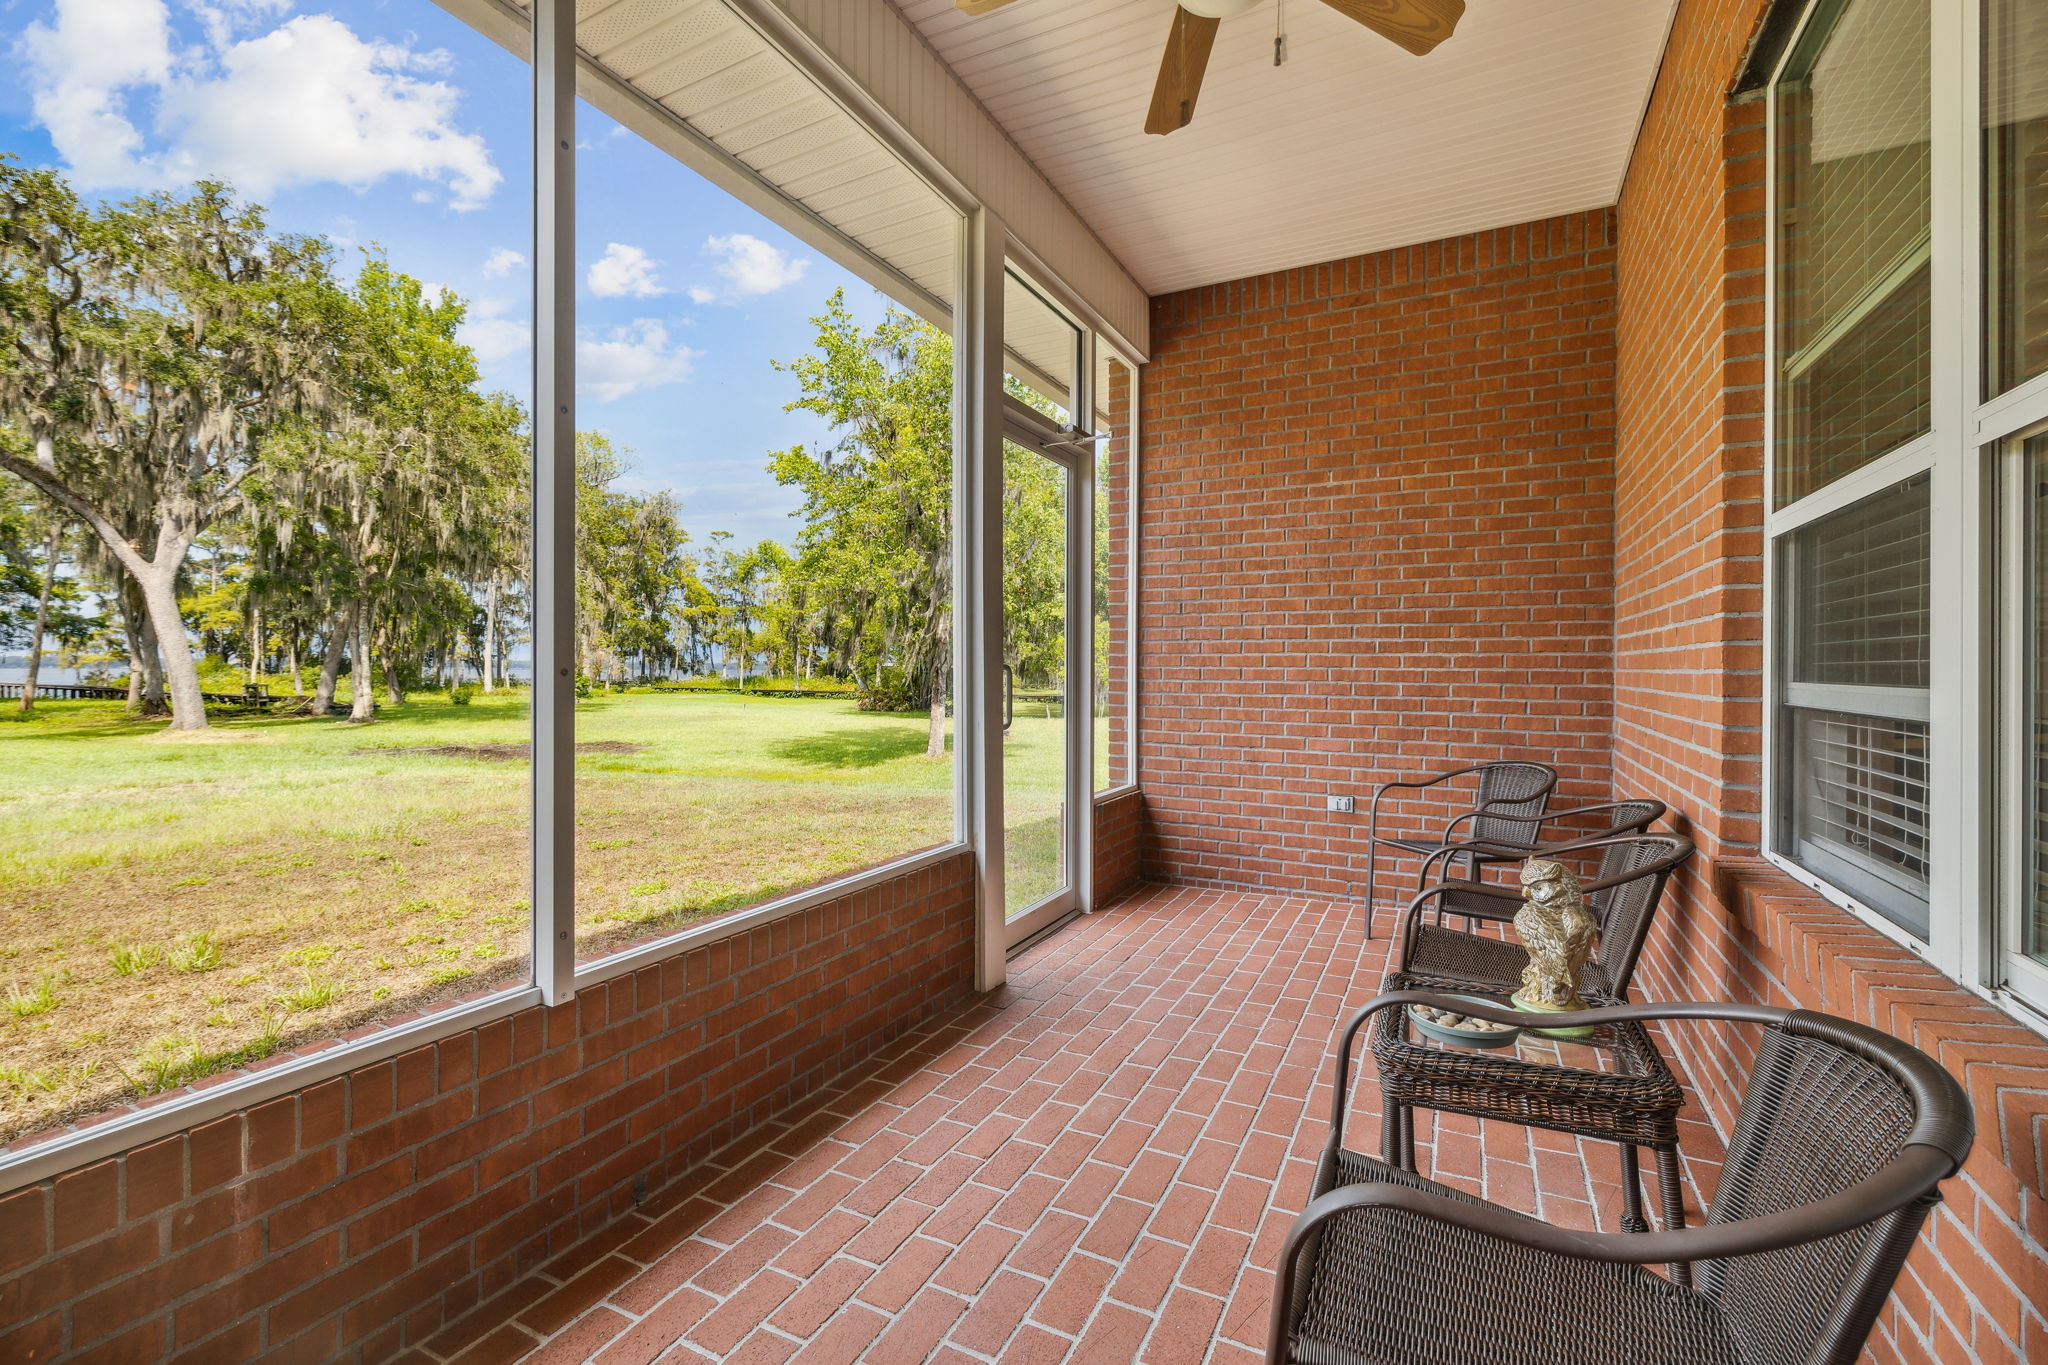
x: 749, y: 267
x: 701, y: 294
x: 623, y: 360
x: 503, y: 261
x: 622, y: 271
x: 306, y: 101
x: 493, y: 336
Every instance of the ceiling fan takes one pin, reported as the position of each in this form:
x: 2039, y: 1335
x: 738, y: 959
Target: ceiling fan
x: 1417, y: 25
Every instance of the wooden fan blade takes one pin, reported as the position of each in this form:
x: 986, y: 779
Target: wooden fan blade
x: 976, y: 7
x: 1180, y: 72
x: 1418, y: 25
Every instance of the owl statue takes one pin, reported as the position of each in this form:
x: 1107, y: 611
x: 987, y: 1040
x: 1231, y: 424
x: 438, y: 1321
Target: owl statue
x: 1557, y: 933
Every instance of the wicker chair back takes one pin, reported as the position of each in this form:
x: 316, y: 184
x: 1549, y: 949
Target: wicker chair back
x: 1816, y: 1117
x: 1511, y: 790
x: 1625, y: 910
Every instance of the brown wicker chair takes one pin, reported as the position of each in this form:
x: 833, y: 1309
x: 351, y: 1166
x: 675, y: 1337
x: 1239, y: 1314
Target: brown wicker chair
x: 1623, y: 896
x: 1511, y: 798
x: 1617, y: 818
x: 1842, y: 1140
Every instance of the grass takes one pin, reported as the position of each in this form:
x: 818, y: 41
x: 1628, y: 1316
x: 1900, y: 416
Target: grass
x: 299, y: 876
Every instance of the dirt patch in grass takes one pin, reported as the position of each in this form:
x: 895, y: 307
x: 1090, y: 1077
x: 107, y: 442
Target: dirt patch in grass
x: 501, y: 752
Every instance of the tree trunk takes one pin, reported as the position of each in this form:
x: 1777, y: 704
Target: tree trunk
x: 490, y: 634
x: 392, y: 692
x: 35, y: 639
x: 362, y: 707
x: 255, y: 645
x: 330, y: 663
x: 136, y: 630
x: 181, y: 671
x: 935, y: 737
x: 291, y: 663
x: 134, y: 702
x: 153, y: 702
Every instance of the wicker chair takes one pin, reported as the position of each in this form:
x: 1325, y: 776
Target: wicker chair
x: 1506, y: 811
x: 1623, y: 896
x: 1618, y: 818
x: 1843, y: 1137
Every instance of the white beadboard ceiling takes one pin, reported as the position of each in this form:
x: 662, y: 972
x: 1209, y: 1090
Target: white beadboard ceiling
x: 1351, y: 146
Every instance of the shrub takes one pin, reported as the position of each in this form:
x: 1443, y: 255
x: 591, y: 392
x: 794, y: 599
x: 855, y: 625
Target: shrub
x: 460, y: 694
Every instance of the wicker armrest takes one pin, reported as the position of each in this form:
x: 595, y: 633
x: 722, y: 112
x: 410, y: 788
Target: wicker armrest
x: 1931, y: 1153
x: 1907, y: 1177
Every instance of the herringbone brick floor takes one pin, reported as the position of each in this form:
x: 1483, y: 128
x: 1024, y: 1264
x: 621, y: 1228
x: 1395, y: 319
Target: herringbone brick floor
x: 1095, y: 1164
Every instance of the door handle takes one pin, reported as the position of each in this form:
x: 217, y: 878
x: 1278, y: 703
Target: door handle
x: 1009, y: 697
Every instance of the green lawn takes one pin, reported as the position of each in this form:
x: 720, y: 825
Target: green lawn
x: 172, y: 904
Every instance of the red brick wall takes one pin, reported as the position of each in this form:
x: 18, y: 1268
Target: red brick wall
x: 1688, y: 698
x: 356, y: 1217
x: 1375, y: 504
x: 1118, y: 821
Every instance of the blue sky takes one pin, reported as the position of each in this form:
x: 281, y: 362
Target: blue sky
x: 390, y: 122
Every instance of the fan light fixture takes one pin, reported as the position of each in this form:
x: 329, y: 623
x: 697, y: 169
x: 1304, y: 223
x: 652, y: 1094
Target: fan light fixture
x: 1415, y: 26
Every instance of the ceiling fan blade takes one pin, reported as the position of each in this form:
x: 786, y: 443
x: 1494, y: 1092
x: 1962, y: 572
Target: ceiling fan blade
x: 1418, y: 25
x: 978, y: 7
x: 1180, y: 72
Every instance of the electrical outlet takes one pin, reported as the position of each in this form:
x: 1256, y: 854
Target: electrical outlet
x: 1344, y: 804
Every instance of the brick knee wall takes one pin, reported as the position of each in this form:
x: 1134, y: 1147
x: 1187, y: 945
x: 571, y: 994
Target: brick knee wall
x: 353, y: 1218
x: 1118, y: 821
x: 1375, y: 538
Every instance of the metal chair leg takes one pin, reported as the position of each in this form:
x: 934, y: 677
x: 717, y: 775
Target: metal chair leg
x: 1372, y: 883
x: 1632, y: 1219
x: 1671, y: 1191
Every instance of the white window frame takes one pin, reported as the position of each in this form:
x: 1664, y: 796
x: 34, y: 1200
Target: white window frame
x: 1976, y: 788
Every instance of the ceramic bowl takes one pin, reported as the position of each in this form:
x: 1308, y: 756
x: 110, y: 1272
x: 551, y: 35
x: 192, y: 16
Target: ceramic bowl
x: 1464, y: 1037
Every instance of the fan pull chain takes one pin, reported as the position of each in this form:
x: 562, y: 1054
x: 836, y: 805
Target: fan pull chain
x: 1279, y: 32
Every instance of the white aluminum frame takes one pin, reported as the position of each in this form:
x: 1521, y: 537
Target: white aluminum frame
x: 981, y: 412
x: 1976, y: 779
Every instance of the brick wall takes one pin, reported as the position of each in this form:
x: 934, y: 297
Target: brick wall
x: 1376, y: 538
x: 356, y: 1217
x: 1688, y: 698
x: 1118, y: 822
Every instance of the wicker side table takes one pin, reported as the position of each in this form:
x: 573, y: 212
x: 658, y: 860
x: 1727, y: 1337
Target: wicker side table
x: 1613, y: 1085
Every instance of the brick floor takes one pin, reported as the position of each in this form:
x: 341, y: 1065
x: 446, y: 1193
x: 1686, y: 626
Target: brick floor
x: 1095, y: 1164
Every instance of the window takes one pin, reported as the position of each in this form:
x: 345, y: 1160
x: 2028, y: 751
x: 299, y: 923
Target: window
x: 764, y: 448
x: 1852, y: 236
x: 1116, y: 396
x: 1909, y: 770
x: 1853, y: 612
x: 642, y: 506
x: 272, y: 782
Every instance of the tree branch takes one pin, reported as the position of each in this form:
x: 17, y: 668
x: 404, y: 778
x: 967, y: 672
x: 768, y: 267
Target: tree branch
x: 65, y: 496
